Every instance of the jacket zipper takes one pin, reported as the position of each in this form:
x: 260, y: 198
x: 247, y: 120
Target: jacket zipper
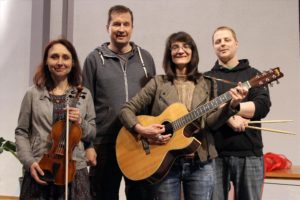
x: 125, y: 81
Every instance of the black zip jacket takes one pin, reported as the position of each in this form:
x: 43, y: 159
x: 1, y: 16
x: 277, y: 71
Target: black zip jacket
x: 248, y: 143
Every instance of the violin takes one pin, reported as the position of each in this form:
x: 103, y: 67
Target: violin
x: 57, y: 163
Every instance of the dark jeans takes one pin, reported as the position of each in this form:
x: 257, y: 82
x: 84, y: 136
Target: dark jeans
x: 106, y: 178
x: 246, y: 174
x: 195, y: 178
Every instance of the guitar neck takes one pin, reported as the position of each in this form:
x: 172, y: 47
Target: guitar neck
x: 203, y: 109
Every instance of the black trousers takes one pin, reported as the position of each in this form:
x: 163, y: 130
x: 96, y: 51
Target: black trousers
x: 106, y: 176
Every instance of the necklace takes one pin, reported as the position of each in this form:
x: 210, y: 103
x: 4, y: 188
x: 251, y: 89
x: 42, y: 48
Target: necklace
x: 59, y: 91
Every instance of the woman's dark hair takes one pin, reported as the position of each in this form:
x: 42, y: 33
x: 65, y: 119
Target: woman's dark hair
x: 170, y: 67
x: 42, y: 76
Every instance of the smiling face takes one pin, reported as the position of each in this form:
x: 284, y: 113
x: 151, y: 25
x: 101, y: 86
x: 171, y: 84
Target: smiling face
x: 181, y: 53
x: 120, y: 29
x: 225, y: 45
x: 59, y: 61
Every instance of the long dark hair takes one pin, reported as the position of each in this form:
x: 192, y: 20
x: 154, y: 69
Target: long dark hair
x: 170, y: 67
x: 42, y: 76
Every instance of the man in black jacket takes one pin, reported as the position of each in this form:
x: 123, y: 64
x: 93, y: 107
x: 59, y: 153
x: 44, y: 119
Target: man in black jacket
x: 240, y: 149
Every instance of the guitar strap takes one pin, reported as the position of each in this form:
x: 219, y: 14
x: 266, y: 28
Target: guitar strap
x: 214, y: 85
x: 222, y: 80
x: 234, y: 84
x: 213, y: 94
x: 145, y: 144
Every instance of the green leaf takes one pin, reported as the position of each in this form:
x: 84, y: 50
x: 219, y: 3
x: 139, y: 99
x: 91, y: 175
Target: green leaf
x: 1, y: 141
x: 6, y: 145
x: 9, y: 146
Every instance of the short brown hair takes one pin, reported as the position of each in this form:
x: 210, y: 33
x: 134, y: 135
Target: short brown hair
x: 119, y: 9
x: 225, y: 28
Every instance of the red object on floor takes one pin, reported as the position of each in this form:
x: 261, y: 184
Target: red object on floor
x: 276, y: 161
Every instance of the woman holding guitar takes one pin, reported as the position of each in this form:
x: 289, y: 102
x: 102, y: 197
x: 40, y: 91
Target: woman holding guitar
x: 182, y: 83
x: 56, y: 82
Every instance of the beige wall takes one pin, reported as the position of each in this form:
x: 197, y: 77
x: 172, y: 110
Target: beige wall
x: 268, y: 32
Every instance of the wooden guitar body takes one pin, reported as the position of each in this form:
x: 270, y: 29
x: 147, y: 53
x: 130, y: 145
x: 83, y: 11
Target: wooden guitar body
x: 140, y: 160
x: 136, y: 164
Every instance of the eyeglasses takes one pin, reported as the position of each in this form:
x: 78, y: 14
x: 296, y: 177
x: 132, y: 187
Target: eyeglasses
x: 184, y: 47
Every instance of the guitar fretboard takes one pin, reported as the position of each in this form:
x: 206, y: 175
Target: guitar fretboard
x: 203, y: 109
x: 200, y: 111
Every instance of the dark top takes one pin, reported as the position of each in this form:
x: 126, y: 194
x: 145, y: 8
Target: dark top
x: 248, y: 143
x: 113, y: 80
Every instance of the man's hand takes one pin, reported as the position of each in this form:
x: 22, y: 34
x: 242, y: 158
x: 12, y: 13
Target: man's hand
x: 238, y: 94
x: 237, y: 123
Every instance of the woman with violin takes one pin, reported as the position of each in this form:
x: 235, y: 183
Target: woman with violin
x: 56, y: 118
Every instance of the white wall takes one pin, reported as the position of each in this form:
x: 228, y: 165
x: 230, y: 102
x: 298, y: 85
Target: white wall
x: 268, y: 32
x: 15, y: 32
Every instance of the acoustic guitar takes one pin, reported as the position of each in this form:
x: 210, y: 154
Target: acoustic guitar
x: 139, y: 160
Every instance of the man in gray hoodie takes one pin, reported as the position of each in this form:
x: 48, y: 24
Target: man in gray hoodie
x: 114, y: 72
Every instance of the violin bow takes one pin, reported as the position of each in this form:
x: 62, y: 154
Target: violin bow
x: 66, y: 153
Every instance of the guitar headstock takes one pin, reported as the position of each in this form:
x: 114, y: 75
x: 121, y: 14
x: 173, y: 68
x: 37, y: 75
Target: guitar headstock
x: 266, y: 77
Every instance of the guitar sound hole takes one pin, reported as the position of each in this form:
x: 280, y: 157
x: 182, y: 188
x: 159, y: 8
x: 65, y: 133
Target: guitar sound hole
x: 168, y: 128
